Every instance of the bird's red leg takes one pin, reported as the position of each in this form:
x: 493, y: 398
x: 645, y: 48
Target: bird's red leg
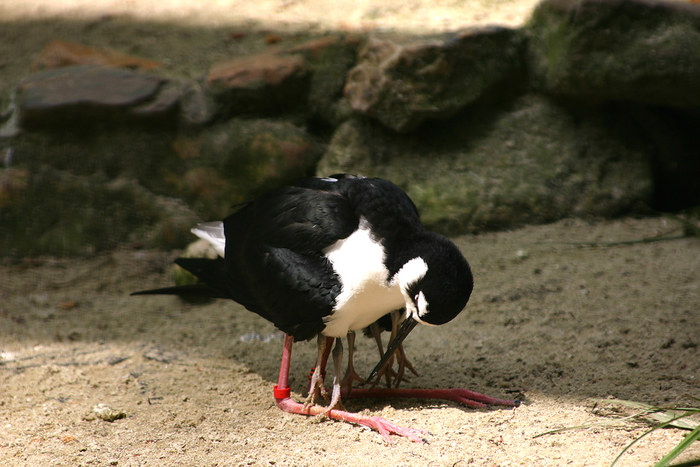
x: 401, y: 358
x: 387, y: 371
x: 350, y: 374
x: 287, y: 404
x: 281, y: 389
x: 316, y: 385
x: 335, y: 402
x: 460, y: 395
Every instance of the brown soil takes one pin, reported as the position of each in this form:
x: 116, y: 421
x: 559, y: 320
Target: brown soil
x: 558, y: 325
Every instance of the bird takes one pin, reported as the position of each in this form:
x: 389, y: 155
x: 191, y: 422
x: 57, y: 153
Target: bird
x: 325, y: 257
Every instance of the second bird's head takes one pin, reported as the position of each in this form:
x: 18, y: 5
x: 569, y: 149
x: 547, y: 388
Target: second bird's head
x: 436, y: 284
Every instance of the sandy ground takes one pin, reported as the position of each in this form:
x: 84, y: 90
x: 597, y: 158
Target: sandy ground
x: 556, y: 325
x: 415, y: 16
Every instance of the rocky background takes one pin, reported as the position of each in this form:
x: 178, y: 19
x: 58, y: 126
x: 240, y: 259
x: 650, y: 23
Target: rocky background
x: 589, y: 109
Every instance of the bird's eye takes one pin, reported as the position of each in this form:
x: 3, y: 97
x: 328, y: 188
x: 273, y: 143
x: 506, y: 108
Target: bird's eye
x: 415, y: 298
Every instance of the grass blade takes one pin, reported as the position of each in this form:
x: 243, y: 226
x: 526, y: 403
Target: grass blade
x: 668, y: 423
x: 680, y: 447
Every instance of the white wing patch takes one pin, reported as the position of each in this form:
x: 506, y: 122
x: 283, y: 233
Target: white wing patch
x: 212, y: 232
x: 366, y: 294
x: 413, y: 271
x: 410, y: 273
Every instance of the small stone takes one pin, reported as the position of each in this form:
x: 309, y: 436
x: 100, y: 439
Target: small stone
x: 159, y: 355
x: 273, y: 39
x: 165, y: 102
x: 68, y: 305
x: 116, y: 360
x: 196, y: 108
x: 521, y: 254
x: 108, y: 414
x: 60, y: 53
x: 256, y: 70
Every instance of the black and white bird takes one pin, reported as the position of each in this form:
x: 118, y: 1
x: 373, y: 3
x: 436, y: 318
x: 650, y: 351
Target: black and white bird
x: 326, y: 257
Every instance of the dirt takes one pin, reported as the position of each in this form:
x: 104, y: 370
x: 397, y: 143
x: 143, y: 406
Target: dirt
x: 562, y: 327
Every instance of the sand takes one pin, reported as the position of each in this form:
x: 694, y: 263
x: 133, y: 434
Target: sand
x: 562, y: 327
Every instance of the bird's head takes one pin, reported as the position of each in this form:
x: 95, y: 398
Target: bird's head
x: 436, y: 284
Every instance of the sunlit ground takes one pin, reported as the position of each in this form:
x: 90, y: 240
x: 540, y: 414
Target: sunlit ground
x: 414, y: 16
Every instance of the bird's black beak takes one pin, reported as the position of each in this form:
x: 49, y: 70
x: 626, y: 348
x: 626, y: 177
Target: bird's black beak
x: 404, y: 330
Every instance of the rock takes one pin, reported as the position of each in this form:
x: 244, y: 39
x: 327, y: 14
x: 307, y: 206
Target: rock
x: 531, y: 161
x: 165, y: 102
x: 158, y: 354
x: 144, y: 154
x: 9, y: 124
x: 92, y: 95
x: 208, y: 190
x: 259, y: 83
x: 197, y: 108
x: 635, y: 50
x: 48, y: 211
x: 13, y: 183
x: 329, y: 59
x: 60, y: 53
x: 403, y: 84
x: 675, y: 163
x: 234, y: 161
x: 108, y: 414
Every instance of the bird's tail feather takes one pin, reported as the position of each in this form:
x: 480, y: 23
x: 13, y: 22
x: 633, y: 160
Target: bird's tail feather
x: 210, y: 272
x: 198, y: 290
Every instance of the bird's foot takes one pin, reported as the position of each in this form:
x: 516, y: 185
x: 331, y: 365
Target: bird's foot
x: 317, y: 388
x: 404, y: 363
x: 383, y: 426
x: 350, y: 373
x: 387, y: 428
x: 335, y: 402
x: 335, y: 397
x: 471, y: 398
x: 387, y: 372
x: 459, y: 395
x: 350, y: 376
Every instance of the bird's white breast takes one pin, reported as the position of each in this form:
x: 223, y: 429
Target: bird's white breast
x: 366, y: 293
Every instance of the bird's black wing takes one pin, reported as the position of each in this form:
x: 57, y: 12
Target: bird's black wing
x: 295, y: 217
x: 295, y: 291
x: 383, y: 204
x: 275, y: 265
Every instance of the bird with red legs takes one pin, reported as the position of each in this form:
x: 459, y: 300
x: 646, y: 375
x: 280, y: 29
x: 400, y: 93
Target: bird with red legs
x: 326, y: 257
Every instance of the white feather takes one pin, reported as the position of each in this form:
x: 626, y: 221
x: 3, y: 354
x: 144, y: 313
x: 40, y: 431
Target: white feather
x: 366, y: 294
x: 212, y: 232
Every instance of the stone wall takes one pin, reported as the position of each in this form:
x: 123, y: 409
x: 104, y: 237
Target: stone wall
x: 590, y: 109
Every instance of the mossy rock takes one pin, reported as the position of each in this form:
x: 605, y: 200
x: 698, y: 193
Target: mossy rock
x: 530, y: 161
